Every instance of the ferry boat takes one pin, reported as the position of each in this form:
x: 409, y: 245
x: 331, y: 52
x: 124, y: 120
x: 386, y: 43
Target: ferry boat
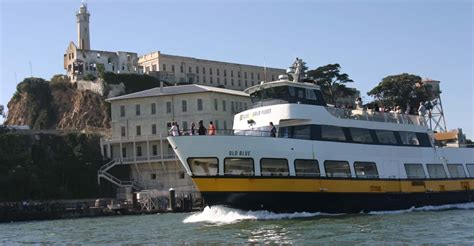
x: 323, y: 158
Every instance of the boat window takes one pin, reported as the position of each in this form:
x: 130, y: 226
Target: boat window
x: 334, y: 133
x: 409, y: 138
x: 366, y: 169
x: 307, y: 168
x: 310, y: 95
x: 361, y: 135
x: 386, y: 137
x: 238, y: 166
x: 302, y: 132
x: 274, y: 167
x: 470, y: 169
x: 423, y: 139
x: 203, y: 166
x: 339, y: 169
x: 415, y: 171
x: 456, y: 171
x: 436, y: 171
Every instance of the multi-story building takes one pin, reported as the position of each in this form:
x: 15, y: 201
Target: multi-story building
x: 189, y: 70
x: 140, y: 125
x: 80, y: 61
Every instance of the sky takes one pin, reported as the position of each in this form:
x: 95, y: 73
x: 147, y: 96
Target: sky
x: 370, y: 39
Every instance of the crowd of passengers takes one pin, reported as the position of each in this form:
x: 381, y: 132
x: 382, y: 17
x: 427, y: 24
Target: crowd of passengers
x: 211, y: 130
x: 421, y: 110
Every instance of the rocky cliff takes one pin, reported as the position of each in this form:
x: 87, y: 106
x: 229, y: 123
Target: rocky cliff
x: 56, y: 105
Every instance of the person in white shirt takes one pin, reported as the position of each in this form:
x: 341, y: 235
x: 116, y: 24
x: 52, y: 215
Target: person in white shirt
x: 173, y: 130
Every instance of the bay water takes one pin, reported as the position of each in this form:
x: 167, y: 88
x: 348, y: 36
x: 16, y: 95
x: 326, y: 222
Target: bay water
x: 448, y: 224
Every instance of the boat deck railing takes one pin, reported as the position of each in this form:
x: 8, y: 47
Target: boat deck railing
x: 367, y: 115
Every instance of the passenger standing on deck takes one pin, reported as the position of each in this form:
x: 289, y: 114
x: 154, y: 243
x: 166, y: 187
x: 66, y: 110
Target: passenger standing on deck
x: 273, y: 130
x: 212, y: 129
x: 193, y: 128
x: 421, y: 113
x: 201, y: 129
x: 173, y: 130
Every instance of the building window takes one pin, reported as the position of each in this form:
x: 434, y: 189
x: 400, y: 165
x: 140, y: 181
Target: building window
x: 204, y: 166
x: 246, y: 84
x: 239, y: 83
x: 181, y: 69
x: 197, y: 69
x: 239, y: 166
x: 225, y: 73
x: 199, y: 104
x: 154, y: 149
x: 122, y: 111
x: 123, y: 68
x: 232, y: 107
x: 124, y: 152
x: 197, y: 79
x: 153, y: 108
x: 123, y: 131
x: 137, y: 109
x: 218, y: 72
x: 456, y: 171
x: 436, y: 171
x: 218, y: 81
x: 185, y: 125
x: 168, y: 107
x: 153, y: 176
x: 245, y: 75
x: 258, y: 76
x: 274, y: 167
x: 238, y: 74
x: 147, y: 69
x: 251, y: 75
x: 338, y: 169
x: 307, y: 168
x: 153, y: 129
x: 215, y: 105
x: 210, y: 70
x: 172, y: 68
x: 164, y: 67
x: 224, y: 108
x: 225, y: 125
x: 203, y: 70
x: 415, y: 171
x: 139, y: 150
x: 216, y: 124
x: 232, y: 82
x: 189, y: 70
x: 184, y: 106
x: 210, y: 80
x: 366, y: 169
x: 225, y: 81
x: 231, y: 73
x: 273, y: 77
x: 139, y: 130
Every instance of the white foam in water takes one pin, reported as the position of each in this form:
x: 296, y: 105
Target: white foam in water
x: 225, y: 215
x: 469, y: 205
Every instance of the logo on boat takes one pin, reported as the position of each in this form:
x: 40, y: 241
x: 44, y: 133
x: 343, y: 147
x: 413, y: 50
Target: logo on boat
x: 239, y: 152
x: 255, y: 113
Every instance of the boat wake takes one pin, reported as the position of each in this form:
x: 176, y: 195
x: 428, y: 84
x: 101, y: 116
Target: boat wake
x: 225, y: 215
x: 462, y: 206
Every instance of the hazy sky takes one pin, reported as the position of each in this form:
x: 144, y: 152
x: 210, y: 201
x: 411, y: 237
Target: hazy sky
x: 370, y: 39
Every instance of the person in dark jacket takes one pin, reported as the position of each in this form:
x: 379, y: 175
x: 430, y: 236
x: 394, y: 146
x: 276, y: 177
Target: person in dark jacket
x: 201, y: 130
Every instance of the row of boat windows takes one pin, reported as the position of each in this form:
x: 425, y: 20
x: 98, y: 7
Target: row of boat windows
x: 310, y: 168
x: 288, y: 94
x: 355, y: 135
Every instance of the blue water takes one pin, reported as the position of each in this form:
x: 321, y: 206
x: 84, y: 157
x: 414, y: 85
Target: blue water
x: 218, y: 225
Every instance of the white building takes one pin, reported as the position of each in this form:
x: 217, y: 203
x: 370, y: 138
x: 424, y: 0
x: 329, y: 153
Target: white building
x: 80, y: 61
x: 189, y: 70
x: 140, y: 125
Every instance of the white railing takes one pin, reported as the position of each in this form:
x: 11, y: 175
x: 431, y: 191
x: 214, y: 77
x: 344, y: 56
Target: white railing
x: 396, y: 118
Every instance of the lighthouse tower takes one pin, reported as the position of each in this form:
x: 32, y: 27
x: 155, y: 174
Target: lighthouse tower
x: 83, y: 38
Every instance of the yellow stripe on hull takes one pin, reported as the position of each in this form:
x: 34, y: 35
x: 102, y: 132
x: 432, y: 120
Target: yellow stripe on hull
x: 216, y: 184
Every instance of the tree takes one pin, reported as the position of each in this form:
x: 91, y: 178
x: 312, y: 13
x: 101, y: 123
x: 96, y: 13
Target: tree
x: 401, y: 90
x: 2, y: 108
x: 59, y: 78
x: 332, y: 82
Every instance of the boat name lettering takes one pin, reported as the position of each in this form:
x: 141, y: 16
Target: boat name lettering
x: 239, y: 152
x: 255, y: 113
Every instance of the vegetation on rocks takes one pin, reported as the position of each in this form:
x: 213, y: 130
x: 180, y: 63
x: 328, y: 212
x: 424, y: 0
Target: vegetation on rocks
x: 44, y: 166
x: 133, y: 82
